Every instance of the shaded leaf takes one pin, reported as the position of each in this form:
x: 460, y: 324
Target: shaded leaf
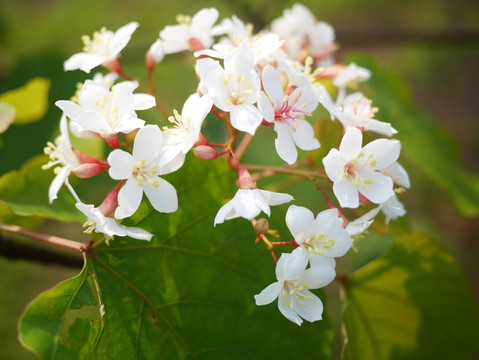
x: 30, y: 100
x: 186, y: 294
x: 426, y: 148
x: 25, y: 193
x: 414, y: 302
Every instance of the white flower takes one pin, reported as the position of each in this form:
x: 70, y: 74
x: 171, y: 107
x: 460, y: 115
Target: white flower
x: 103, y: 48
x: 248, y: 203
x: 392, y: 207
x: 107, y: 112
x: 287, y: 113
x: 358, y: 112
x: 295, y: 301
x: 355, y: 170
x: 235, y: 88
x: 140, y: 172
x: 351, y: 75
x: 60, y: 154
x: 363, y: 222
x: 187, y: 126
x: 106, y: 225
x: 323, y: 236
x: 182, y: 37
x: 261, y: 45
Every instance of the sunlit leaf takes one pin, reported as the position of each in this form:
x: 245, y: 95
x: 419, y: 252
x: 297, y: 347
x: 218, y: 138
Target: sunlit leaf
x: 186, y: 294
x: 25, y: 193
x: 30, y: 100
x: 414, y: 302
x: 7, y: 116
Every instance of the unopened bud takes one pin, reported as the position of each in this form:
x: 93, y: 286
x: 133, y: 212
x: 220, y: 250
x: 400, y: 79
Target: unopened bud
x: 114, y: 66
x: 88, y: 170
x: 204, y: 152
x: 113, y: 141
x: 245, y: 179
x: 330, y: 71
x: 261, y: 226
x: 154, y: 55
x: 109, y: 205
x: 196, y: 45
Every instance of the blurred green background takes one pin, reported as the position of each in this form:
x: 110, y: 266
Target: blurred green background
x: 433, y: 45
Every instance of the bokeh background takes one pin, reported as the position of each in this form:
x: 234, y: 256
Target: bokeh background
x: 433, y: 45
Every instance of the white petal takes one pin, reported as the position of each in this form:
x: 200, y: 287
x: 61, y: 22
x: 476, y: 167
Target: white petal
x: 137, y: 233
x: 399, y: 175
x: 83, y: 61
x: 148, y: 143
x: 380, y: 190
x: 312, y: 310
x: 163, y: 198
x: 129, y: 198
x: 304, y: 136
x: 289, y: 313
x: 225, y: 212
x: 57, y: 183
x: 246, y: 118
x: 285, y: 146
x: 265, y: 107
x: 295, y: 264
x: 121, y: 164
x: 321, y: 272
x: 249, y: 203
x: 351, y: 143
x: 334, y: 164
x: 122, y: 36
x: 300, y: 222
x: 70, y: 109
x: 274, y: 198
x: 143, y: 101
x: 272, y: 86
x: 269, y: 294
x: 346, y: 193
x: 385, y: 152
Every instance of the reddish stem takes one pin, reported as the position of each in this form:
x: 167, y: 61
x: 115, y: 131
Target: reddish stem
x: 50, y: 239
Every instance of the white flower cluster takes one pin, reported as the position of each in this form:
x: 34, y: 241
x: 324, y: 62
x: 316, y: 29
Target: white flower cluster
x: 273, y: 77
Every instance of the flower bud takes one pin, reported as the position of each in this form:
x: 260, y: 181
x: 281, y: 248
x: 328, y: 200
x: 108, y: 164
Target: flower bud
x: 204, y: 152
x: 113, y: 141
x: 261, y: 226
x: 245, y: 180
x: 88, y: 170
x: 114, y: 66
x: 154, y: 55
x: 109, y: 205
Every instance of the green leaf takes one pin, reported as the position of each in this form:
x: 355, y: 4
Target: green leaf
x: 25, y: 193
x: 414, y: 302
x: 7, y: 116
x: 186, y: 294
x: 30, y: 100
x: 426, y: 149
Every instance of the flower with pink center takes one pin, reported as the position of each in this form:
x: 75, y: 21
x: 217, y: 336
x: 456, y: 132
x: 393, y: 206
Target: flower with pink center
x: 356, y: 170
x: 357, y: 111
x: 287, y: 112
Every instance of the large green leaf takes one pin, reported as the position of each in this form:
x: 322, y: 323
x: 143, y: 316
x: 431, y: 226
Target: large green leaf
x: 414, y: 302
x: 186, y: 294
x: 426, y: 149
x: 25, y: 193
x: 30, y: 100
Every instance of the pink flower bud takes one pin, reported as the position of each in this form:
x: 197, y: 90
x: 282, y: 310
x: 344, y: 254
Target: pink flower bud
x: 245, y: 180
x: 196, y: 45
x: 204, y: 152
x: 330, y: 71
x: 109, y: 205
x: 88, y: 170
x: 113, y: 141
x: 114, y: 66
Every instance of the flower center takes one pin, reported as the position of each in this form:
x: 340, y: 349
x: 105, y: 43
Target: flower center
x: 362, y: 107
x: 290, y: 112
x: 145, y: 174
x: 296, y: 290
x: 317, y: 243
x: 99, y: 44
x: 107, y: 110
x: 55, y: 154
x: 182, y: 129
x: 237, y: 88
x: 352, y: 170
